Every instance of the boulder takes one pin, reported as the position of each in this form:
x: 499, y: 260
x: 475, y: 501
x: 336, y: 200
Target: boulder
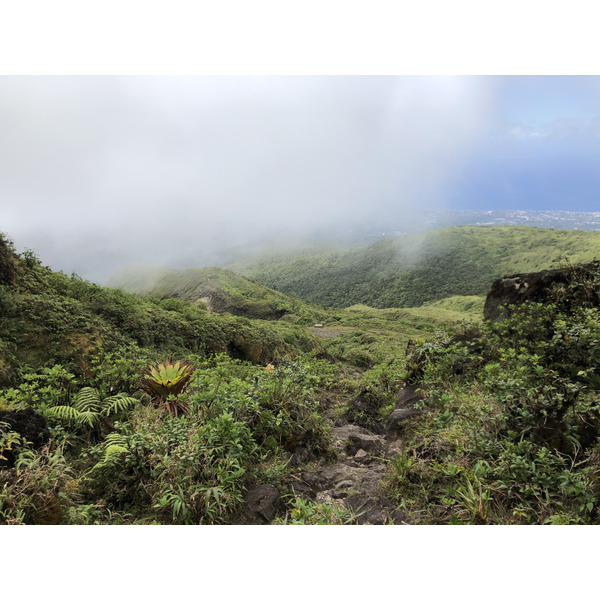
x: 352, y: 437
x: 262, y: 501
x: 408, y: 396
x: 395, y: 422
x: 362, y: 458
x: 543, y: 286
x: 373, y: 444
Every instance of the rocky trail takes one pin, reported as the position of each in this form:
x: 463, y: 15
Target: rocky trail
x: 355, y: 479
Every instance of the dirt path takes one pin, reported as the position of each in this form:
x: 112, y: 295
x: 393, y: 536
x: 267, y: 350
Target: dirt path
x: 363, y: 456
x: 328, y: 333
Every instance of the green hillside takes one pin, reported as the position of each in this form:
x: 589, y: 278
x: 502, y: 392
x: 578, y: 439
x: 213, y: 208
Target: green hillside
x: 359, y: 335
x: 118, y: 408
x: 48, y: 317
x: 219, y: 290
x: 409, y: 270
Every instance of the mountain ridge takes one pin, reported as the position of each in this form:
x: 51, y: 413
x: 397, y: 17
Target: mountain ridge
x: 408, y: 270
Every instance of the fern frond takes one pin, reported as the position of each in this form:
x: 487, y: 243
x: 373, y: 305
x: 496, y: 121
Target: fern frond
x: 64, y: 412
x: 88, y: 400
x: 114, y: 444
x: 115, y: 404
x: 113, y: 438
x: 114, y: 450
x: 88, y: 417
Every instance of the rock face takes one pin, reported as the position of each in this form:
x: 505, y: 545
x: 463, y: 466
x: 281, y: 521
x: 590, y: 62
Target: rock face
x: 408, y: 396
x: 262, y: 502
x: 395, y: 423
x: 544, y: 286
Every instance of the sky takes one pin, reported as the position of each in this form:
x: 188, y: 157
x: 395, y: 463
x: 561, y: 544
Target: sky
x: 101, y: 172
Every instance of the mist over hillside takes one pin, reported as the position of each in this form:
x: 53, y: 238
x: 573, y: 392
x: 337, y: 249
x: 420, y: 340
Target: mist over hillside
x: 343, y: 235
x: 418, y: 267
x: 99, y: 173
x: 397, y: 270
x: 224, y: 402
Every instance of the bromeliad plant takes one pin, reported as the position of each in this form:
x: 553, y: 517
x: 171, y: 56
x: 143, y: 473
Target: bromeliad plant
x: 165, y: 382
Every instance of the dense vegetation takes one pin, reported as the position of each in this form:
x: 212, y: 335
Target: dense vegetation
x: 409, y: 270
x: 78, y: 355
x: 511, y: 434
x: 220, y: 290
x: 158, y: 410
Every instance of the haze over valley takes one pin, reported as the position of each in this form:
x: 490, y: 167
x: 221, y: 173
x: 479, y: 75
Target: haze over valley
x: 98, y: 173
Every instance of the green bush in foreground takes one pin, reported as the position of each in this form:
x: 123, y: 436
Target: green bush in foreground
x: 512, y: 428
x: 117, y: 459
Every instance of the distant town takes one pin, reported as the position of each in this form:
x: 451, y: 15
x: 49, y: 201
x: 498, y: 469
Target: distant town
x: 547, y: 219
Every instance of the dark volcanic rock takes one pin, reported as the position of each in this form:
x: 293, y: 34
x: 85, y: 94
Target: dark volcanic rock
x: 373, y: 444
x: 373, y: 512
x: 302, y: 489
x: 395, y: 421
x: 544, y: 286
x: 29, y: 425
x: 263, y: 501
x: 362, y: 458
x: 409, y: 396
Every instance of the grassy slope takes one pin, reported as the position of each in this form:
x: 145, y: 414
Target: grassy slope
x: 363, y: 336
x: 221, y: 290
x: 50, y: 318
x: 360, y: 335
x: 412, y: 269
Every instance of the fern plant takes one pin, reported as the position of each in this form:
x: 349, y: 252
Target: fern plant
x: 113, y: 445
x: 89, y: 406
x: 165, y: 382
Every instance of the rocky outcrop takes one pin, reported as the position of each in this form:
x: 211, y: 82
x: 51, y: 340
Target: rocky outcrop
x: 396, y: 421
x: 543, y: 286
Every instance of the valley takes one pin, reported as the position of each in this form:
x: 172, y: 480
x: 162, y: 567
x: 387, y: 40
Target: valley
x: 333, y: 385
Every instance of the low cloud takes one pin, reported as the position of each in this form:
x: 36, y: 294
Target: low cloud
x: 101, y: 172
